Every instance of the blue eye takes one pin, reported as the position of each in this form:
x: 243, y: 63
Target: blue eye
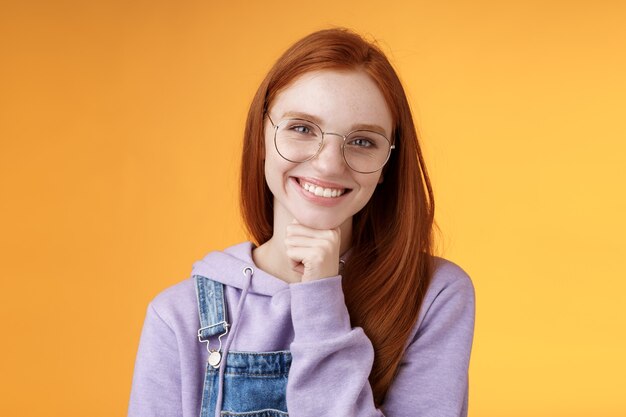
x: 362, y: 143
x: 301, y: 129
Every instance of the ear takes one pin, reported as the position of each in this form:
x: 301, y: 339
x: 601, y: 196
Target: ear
x: 380, y: 180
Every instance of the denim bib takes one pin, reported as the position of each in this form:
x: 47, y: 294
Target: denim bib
x: 254, y: 383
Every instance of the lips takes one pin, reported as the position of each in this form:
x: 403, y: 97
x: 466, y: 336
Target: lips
x: 320, y: 191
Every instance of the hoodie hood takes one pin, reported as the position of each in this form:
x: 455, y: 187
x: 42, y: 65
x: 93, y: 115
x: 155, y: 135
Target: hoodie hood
x: 228, y: 268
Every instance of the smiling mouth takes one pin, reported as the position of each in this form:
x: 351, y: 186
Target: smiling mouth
x: 322, y: 191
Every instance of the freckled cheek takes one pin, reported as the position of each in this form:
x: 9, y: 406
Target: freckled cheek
x: 369, y: 181
x: 275, y: 165
x: 276, y: 172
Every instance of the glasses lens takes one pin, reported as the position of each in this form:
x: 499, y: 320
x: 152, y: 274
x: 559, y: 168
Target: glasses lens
x: 366, y: 151
x: 297, y: 140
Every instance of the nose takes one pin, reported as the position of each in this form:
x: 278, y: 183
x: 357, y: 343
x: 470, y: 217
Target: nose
x: 329, y: 159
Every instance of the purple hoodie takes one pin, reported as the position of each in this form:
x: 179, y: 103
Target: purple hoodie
x: 311, y: 320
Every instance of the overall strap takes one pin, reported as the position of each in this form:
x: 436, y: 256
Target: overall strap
x: 212, y: 310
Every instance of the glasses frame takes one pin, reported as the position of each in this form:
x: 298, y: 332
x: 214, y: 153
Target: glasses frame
x: 321, y: 144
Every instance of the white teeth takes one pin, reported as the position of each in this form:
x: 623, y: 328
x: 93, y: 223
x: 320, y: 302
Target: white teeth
x: 321, y: 191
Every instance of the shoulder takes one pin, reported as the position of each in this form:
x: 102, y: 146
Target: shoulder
x: 176, y: 305
x: 449, y: 276
x: 450, y: 296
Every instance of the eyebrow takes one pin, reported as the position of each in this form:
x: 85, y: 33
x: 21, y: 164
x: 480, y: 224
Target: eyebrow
x: 318, y: 121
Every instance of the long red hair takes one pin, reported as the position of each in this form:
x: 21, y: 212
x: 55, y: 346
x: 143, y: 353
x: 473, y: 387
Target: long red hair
x: 390, y: 266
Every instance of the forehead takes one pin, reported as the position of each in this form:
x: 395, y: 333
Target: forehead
x: 339, y: 99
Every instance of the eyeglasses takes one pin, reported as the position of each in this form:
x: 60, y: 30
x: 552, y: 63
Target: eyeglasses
x: 300, y: 140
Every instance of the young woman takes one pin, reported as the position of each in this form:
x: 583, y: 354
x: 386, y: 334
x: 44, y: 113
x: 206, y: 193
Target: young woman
x: 338, y: 307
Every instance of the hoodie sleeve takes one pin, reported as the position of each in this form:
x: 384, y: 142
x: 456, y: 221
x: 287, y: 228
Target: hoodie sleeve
x: 332, y: 361
x: 156, y: 389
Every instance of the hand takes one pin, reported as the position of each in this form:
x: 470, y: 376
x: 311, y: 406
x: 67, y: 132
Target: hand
x: 314, y: 253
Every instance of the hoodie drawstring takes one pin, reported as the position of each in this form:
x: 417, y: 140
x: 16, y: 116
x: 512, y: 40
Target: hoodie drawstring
x: 233, y: 331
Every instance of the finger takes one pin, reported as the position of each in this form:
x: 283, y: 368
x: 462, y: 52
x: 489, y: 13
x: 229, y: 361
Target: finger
x: 309, y: 242
x: 301, y: 254
x: 315, y: 263
x: 312, y: 257
x: 298, y: 267
x: 300, y: 230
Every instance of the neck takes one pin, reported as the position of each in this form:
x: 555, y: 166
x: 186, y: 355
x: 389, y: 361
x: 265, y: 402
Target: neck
x: 272, y: 258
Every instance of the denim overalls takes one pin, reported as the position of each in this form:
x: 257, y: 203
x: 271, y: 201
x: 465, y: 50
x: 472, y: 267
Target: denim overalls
x: 254, y: 384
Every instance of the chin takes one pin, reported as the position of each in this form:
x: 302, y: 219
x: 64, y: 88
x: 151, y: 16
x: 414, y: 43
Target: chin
x: 320, y: 223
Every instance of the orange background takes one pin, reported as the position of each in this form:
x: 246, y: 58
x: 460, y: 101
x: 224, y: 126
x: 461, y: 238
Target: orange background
x: 121, y: 125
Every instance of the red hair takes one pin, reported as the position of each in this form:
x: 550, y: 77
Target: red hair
x: 390, y: 267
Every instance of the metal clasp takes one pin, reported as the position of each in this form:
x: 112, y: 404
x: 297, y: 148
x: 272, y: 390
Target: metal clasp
x: 215, y: 357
